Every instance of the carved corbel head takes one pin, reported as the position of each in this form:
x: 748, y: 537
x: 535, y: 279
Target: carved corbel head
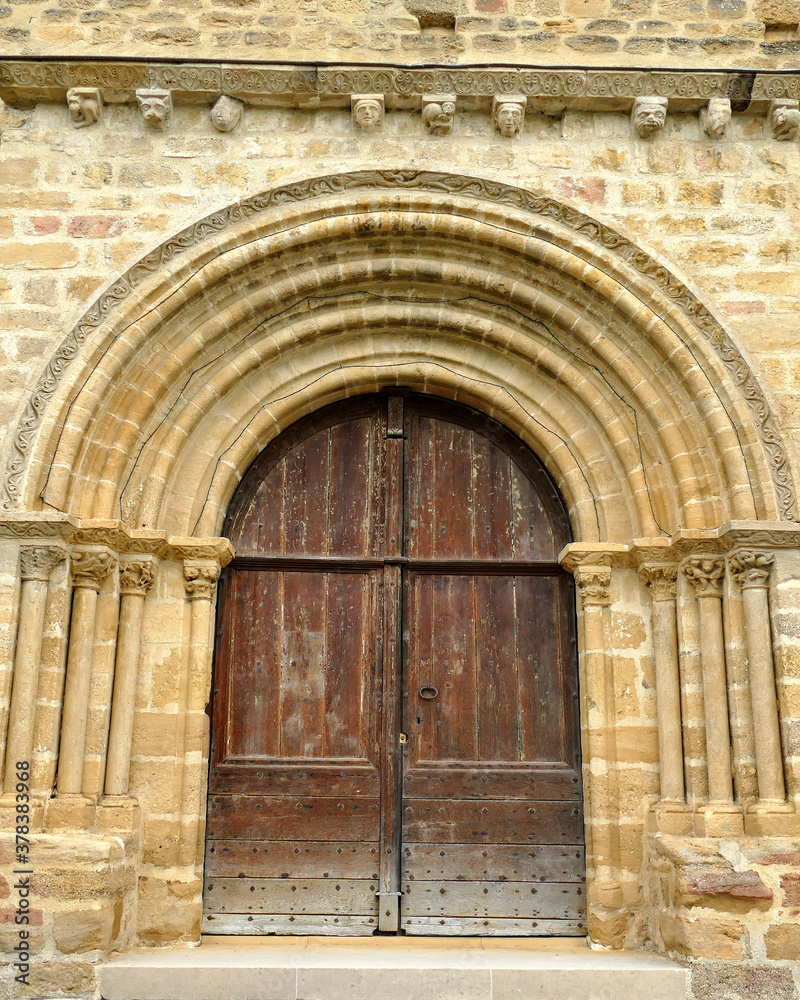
x: 508, y: 114
x: 438, y: 114
x: 367, y: 111
x: 85, y: 104
x: 155, y: 105
x: 226, y: 113
x: 716, y: 116
x: 784, y: 119
x: 649, y: 115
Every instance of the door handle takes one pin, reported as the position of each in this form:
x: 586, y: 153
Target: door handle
x: 428, y: 692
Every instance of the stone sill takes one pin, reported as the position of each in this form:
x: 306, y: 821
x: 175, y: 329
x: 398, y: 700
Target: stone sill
x: 319, y: 968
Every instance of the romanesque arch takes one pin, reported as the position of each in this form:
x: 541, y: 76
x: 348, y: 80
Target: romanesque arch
x: 645, y: 413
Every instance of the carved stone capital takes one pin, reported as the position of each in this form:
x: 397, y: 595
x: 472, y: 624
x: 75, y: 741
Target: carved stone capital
x: 200, y: 578
x: 136, y: 576
x: 594, y: 584
x: 707, y: 574
x: 90, y: 567
x: 37, y: 562
x: 662, y: 580
x: 751, y: 567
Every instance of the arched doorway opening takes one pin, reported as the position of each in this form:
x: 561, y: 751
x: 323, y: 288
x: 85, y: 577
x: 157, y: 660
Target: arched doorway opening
x: 395, y: 736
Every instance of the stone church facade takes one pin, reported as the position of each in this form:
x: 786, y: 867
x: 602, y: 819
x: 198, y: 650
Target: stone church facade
x: 578, y: 218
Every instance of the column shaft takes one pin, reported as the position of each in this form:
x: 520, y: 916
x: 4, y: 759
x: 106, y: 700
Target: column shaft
x: 118, y: 764
x: 200, y: 580
x: 76, y: 691
x: 715, y: 696
x: 668, y: 700
x: 26, y: 675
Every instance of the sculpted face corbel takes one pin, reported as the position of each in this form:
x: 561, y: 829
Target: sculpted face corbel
x: 85, y: 104
x: 155, y: 105
x: 367, y: 111
x: 716, y: 116
x: 649, y: 115
x: 508, y: 114
x: 226, y: 113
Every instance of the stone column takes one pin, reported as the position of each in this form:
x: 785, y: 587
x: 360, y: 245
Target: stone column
x: 671, y: 813
x: 751, y: 569
x: 200, y: 580
x: 136, y: 577
x: 720, y: 817
x: 592, y: 572
x: 37, y: 563
x: 90, y: 567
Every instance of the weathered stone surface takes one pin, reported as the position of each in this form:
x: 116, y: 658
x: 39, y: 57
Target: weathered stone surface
x: 739, y: 885
x: 718, y: 981
x: 86, y: 928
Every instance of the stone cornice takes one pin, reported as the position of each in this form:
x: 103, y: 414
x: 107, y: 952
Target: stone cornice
x: 23, y: 81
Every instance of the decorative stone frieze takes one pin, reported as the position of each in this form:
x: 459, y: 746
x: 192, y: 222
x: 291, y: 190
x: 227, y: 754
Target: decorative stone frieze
x: 707, y: 574
x: 508, y: 114
x: 226, y: 113
x: 155, y: 105
x: 367, y: 111
x: 438, y: 114
x: 784, y: 119
x: 90, y: 567
x: 602, y: 88
x: 85, y: 105
x: 37, y: 562
x: 649, y: 115
x: 200, y: 578
x: 751, y: 567
x: 716, y: 116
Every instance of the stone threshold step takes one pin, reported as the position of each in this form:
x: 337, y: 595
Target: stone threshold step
x: 401, y: 968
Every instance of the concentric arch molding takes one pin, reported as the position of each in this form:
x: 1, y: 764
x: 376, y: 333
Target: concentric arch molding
x: 420, y: 180
x: 303, y: 83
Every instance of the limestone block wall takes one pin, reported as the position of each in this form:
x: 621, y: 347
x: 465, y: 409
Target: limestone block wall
x: 749, y: 33
x: 691, y: 852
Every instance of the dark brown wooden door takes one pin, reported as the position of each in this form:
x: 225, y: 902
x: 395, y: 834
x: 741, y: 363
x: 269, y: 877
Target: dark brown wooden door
x: 394, y: 735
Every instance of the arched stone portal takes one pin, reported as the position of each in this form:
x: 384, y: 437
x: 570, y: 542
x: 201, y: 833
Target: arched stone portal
x: 641, y: 407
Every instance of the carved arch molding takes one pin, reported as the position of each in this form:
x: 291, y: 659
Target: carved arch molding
x: 642, y: 406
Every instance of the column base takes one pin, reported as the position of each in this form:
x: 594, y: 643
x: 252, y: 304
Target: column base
x: 119, y: 812
x: 8, y: 811
x: 719, y: 819
x: 765, y: 819
x: 670, y: 816
x: 70, y: 812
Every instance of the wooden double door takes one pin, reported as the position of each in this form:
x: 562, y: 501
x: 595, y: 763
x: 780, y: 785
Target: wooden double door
x: 394, y: 728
